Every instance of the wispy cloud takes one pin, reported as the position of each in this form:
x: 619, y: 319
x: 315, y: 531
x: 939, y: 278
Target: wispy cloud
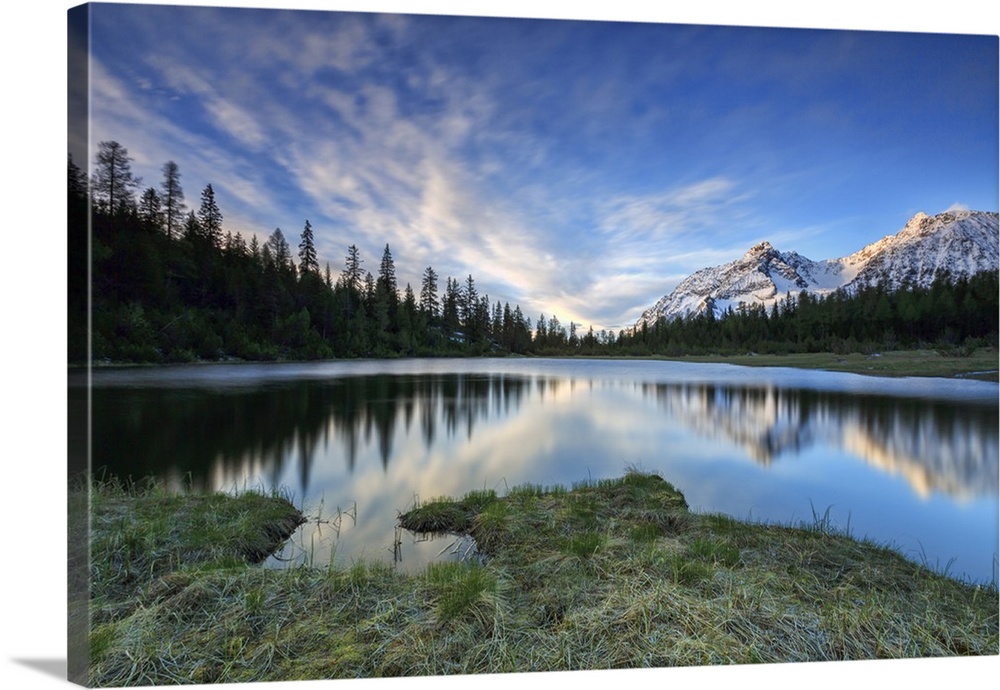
x: 575, y: 168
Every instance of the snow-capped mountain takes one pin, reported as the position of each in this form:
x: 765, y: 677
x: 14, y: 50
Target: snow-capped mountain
x: 963, y: 242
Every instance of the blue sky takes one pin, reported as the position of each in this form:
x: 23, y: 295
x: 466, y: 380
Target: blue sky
x: 576, y: 168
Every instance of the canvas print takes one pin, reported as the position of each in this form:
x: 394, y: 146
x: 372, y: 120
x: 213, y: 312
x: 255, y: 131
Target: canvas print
x: 418, y: 345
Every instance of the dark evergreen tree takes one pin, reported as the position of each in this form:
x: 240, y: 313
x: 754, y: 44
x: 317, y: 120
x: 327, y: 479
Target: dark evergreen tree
x: 428, y: 294
x: 254, y: 249
x: 387, y: 275
x: 79, y: 244
x: 281, y: 253
x: 113, y: 183
x: 192, y: 227
x: 238, y: 247
x: 451, y: 305
x: 409, y: 322
x: 351, y: 276
x: 307, y: 252
x: 149, y: 210
x: 470, y: 300
x: 541, y: 332
x: 77, y: 184
x: 210, y: 217
x: 172, y: 197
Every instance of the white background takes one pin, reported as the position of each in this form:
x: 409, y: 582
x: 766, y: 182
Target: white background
x: 33, y: 109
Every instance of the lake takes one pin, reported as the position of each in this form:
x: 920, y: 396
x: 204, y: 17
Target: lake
x: 911, y: 463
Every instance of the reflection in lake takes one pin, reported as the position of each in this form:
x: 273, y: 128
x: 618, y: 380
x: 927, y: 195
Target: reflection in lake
x: 934, y: 446
x: 908, y: 464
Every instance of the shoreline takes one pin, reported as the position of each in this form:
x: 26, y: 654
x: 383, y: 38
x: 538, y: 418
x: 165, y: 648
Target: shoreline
x: 608, y: 573
x: 981, y: 365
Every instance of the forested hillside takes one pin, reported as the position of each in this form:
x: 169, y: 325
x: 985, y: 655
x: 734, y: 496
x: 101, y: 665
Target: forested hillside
x: 166, y: 284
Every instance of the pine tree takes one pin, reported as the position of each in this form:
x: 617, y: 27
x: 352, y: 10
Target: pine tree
x: 428, y: 294
x: 450, y: 305
x: 369, y: 290
x: 113, y: 183
x: 387, y: 277
x: 192, y: 227
x: 470, y: 300
x: 254, y: 249
x: 149, y: 209
x: 172, y: 197
x: 351, y: 276
x: 541, y: 332
x: 210, y: 217
x: 281, y: 254
x: 238, y: 246
x: 307, y: 252
x: 77, y: 184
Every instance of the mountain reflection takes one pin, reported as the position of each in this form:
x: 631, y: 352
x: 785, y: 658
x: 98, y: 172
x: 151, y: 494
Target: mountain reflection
x: 217, y: 438
x: 934, y: 446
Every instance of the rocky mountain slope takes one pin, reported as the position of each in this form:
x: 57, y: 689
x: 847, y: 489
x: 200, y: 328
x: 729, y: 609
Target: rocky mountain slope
x: 963, y: 242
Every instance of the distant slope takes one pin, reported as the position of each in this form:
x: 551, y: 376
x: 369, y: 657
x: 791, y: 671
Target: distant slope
x: 963, y: 243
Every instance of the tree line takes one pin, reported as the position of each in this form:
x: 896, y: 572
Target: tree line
x: 954, y: 313
x: 161, y: 282
x: 168, y: 285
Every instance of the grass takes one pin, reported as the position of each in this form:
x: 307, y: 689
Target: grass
x: 982, y: 363
x: 140, y: 533
x: 605, y: 574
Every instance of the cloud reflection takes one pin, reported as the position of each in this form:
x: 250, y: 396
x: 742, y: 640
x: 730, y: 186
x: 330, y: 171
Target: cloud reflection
x: 382, y: 442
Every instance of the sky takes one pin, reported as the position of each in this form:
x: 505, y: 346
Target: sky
x: 575, y: 168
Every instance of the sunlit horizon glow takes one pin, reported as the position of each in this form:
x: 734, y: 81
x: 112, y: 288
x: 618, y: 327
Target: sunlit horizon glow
x: 579, y: 169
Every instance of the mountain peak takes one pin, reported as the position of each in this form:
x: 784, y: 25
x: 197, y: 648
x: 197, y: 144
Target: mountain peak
x: 922, y: 223
x: 962, y: 242
x: 760, y: 249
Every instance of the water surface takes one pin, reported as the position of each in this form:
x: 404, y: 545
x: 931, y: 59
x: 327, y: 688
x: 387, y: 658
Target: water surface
x: 912, y: 463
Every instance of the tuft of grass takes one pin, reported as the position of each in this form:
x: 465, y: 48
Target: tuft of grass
x: 489, y: 527
x: 644, y: 533
x: 460, y: 589
x: 447, y: 515
x: 439, y: 515
x: 476, y: 501
x: 584, y: 544
x: 714, y: 551
x: 685, y: 571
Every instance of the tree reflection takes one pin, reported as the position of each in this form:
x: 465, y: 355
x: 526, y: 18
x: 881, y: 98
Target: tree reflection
x: 200, y: 434
x: 218, y: 437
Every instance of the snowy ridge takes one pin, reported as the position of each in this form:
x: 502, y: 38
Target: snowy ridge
x: 963, y: 243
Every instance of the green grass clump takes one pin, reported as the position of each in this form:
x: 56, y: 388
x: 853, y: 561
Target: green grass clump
x: 439, y: 515
x: 584, y: 544
x: 140, y: 532
x: 460, y: 588
x: 612, y: 573
x: 714, y: 550
x: 979, y: 363
x: 446, y: 515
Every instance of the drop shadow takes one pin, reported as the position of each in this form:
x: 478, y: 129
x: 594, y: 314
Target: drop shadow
x: 50, y: 667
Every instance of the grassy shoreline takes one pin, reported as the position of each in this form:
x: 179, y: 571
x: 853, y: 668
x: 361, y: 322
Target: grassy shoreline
x: 981, y: 364
x: 607, y: 574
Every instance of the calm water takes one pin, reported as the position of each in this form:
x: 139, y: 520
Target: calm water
x: 912, y: 463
